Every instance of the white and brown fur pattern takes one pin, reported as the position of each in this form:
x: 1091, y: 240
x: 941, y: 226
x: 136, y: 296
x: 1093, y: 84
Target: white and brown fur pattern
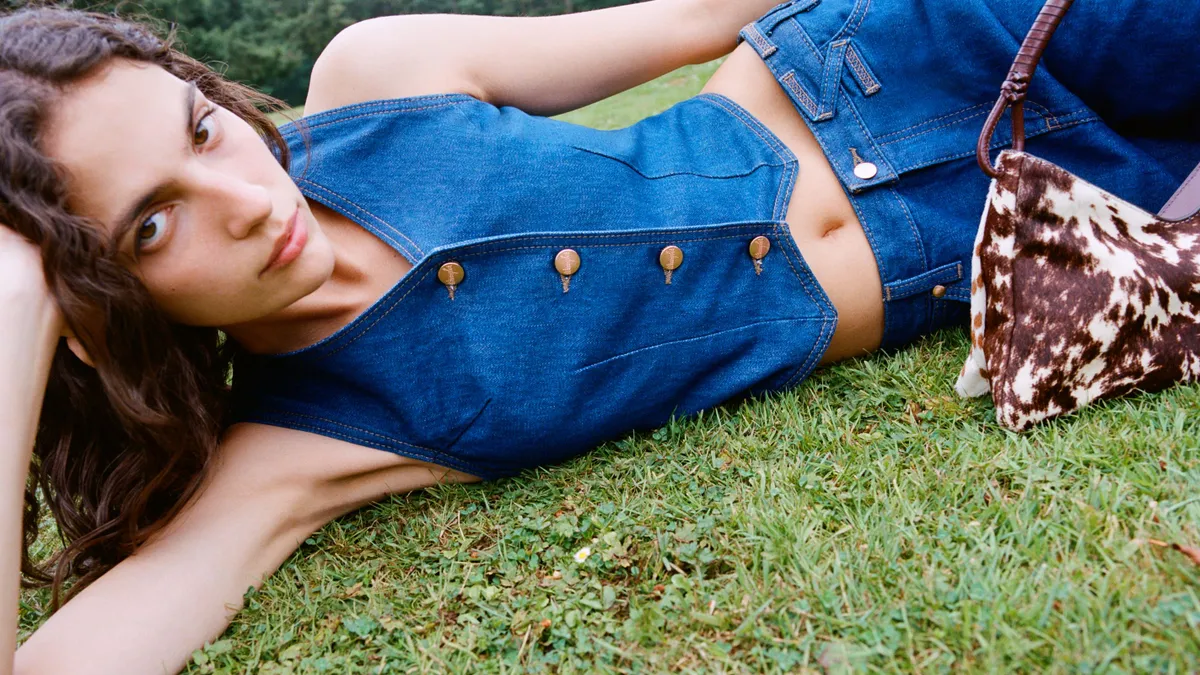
x: 1076, y: 295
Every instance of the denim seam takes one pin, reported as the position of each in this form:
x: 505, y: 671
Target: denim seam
x: 804, y: 281
x: 994, y: 145
x: 815, y: 353
x: 1044, y: 113
x: 669, y: 174
x: 327, y: 116
x: 470, y: 423
x: 387, y: 443
x: 786, y: 10
x: 1053, y: 122
x: 392, y: 304
x: 929, y: 130
x: 912, y: 226
x: 930, y: 121
x: 699, y: 337
x: 901, y: 288
x: 807, y: 40
x: 959, y: 294
x: 848, y: 30
x: 383, y: 109
x: 381, y: 221
x: 788, y: 180
x: 780, y: 150
x: 870, y: 234
x: 870, y: 85
x: 392, y: 102
x: 351, y: 427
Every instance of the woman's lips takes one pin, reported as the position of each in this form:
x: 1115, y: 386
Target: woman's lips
x: 294, y: 240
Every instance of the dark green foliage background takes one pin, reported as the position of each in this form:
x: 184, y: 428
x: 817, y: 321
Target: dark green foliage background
x: 272, y: 44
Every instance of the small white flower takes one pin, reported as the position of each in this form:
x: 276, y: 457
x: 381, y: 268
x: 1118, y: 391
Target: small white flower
x: 582, y: 554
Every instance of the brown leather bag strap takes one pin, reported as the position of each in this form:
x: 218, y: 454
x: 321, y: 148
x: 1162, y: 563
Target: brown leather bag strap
x: 1017, y: 84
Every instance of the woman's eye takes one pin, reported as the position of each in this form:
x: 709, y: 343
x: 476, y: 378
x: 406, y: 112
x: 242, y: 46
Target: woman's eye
x: 205, y: 129
x: 151, y: 230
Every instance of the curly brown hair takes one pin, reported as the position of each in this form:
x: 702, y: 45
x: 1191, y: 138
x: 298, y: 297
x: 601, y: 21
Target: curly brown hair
x: 123, y: 446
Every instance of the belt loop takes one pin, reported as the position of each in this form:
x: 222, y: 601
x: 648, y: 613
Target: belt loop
x: 760, y: 42
x: 784, y: 12
x: 831, y: 80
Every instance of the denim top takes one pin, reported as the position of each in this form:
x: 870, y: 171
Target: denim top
x: 519, y: 366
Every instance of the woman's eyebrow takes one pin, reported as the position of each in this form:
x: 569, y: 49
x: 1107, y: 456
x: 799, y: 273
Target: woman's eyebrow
x: 125, y: 222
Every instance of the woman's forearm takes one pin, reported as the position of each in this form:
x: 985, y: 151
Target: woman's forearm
x: 725, y: 18
x: 28, y: 337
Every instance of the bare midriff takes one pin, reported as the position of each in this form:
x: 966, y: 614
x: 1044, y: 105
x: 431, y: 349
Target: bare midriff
x: 820, y: 217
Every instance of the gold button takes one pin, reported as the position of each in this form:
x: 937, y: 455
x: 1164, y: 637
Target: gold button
x: 939, y: 291
x: 566, y: 262
x: 451, y: 274
x: 759, y: 247
x: 671, y: 258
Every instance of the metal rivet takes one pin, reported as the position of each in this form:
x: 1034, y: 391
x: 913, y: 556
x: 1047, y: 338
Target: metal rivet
x: 758, y: 250
x: 866, y: 170
x: 671, y: 258
x: 938, y: 291
x: 451, y: 274
x: 567, y: 262
x: 759, y: 247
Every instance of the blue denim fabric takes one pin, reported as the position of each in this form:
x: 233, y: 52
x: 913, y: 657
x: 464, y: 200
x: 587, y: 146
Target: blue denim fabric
x: 515, y: 372
x: 906, y: 85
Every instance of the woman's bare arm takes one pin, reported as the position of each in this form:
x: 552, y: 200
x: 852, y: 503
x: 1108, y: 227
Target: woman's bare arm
x: 31, y: 325
x: 269, y: 490
x: 181, y: 589
x: 542, y: 65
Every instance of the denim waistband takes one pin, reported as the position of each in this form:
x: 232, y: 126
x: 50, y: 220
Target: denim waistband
x: 918, y: 293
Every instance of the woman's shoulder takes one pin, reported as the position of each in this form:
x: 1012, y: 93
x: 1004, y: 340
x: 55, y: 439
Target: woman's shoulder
x: 338, y: 79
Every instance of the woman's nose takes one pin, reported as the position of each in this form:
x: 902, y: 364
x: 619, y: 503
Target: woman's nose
x: 244, y: 205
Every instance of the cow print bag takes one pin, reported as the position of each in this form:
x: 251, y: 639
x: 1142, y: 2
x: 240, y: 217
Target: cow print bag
x: 1076, y: 295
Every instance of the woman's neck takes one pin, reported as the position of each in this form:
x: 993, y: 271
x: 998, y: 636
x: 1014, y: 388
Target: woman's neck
x: 364, y: 269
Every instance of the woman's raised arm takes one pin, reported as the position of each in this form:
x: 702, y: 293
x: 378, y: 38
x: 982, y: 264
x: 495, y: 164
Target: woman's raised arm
x: 268, y: 490
x: 29, y: 330
x: 181, y: 589
x: 543, y: 65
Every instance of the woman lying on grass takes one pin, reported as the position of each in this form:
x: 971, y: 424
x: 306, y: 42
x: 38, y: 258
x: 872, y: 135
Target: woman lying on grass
x: 427, y: 281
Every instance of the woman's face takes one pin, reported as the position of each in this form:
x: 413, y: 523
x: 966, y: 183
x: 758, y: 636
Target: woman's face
x: 207, y: 200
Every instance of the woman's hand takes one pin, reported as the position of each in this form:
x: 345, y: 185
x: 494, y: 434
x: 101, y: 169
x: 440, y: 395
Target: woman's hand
x: 23, y: 292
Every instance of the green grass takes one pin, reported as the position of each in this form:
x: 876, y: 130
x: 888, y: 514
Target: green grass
x: 867, y: 520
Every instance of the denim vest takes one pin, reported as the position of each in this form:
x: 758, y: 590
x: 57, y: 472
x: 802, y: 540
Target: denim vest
x: 518, y: 364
